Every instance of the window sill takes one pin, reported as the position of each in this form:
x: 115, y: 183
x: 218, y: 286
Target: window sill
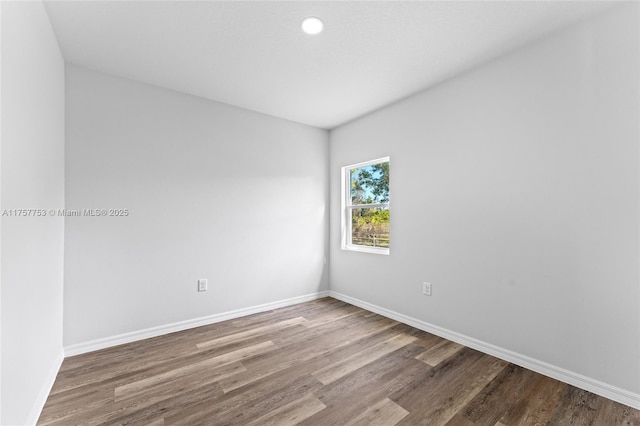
x: 367, y: 249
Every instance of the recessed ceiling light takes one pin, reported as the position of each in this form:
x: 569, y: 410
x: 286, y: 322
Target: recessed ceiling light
x: 312, y: 25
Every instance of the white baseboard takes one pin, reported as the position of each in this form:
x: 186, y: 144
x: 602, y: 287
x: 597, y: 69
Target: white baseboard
x: 603, y: 389
x: 592, y: 385
x: 38, y: 405
x: 133, y: 336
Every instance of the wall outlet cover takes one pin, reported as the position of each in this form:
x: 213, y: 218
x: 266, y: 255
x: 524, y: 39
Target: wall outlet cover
x: 426, y: 288
x: 202, y: 285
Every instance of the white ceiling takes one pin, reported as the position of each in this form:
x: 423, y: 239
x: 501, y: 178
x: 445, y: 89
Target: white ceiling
x: 253, y: 54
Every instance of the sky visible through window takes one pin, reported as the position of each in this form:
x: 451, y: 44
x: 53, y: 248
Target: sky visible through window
x: 370, y: 184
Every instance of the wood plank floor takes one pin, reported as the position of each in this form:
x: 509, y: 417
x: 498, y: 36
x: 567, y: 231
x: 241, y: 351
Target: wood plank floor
x: 318, y: 363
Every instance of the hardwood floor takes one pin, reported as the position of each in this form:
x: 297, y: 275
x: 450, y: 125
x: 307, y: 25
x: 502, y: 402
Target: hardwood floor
x: 318, y: 363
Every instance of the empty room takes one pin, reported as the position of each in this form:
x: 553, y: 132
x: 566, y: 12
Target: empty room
x: 320, y: 213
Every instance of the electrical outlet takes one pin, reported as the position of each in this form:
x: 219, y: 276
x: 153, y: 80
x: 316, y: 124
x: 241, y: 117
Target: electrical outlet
x: 426, y: 288
x: 202, y: 285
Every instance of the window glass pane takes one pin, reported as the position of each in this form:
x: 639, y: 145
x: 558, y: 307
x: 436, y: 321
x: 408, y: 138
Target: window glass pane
x: 370, y: 184
x: 370, y: 226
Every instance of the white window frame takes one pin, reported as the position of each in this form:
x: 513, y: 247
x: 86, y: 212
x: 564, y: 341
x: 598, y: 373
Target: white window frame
x: 347, y: 207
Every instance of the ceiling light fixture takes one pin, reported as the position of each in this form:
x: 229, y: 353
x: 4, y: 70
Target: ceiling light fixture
x: 312, y: 25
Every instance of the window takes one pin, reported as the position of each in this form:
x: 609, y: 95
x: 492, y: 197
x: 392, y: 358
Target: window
x: 365, y: 201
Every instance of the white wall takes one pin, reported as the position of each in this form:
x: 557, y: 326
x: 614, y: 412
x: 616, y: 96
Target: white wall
x: 213, y: 192
x: 32, y: 178
x: 515, y: 191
